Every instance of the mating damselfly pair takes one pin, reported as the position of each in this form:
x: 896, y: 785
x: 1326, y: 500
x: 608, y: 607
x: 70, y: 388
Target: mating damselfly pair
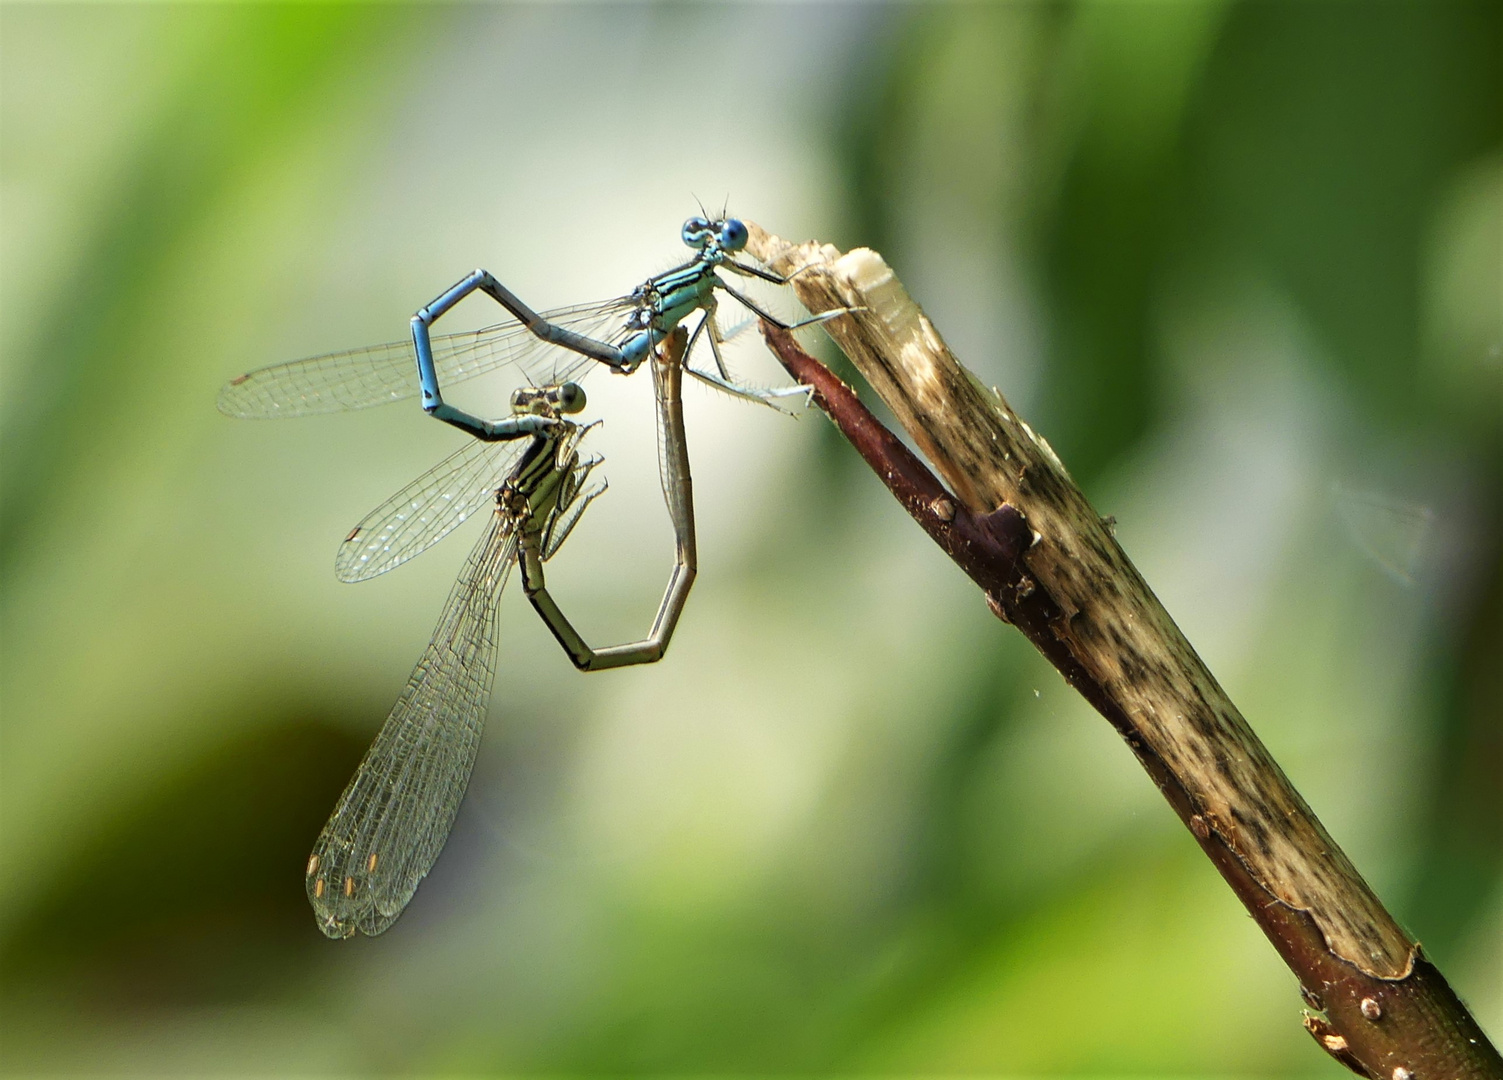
x: 527, y: 471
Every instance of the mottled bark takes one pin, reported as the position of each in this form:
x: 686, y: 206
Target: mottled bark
x: 1016, y: 523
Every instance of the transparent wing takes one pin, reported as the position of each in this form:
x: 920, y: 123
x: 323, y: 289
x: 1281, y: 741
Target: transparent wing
x: 392, y: 821
x: 427, y: 510
x: 361, y: 378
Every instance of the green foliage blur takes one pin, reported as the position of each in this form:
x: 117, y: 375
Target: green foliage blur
x: 1242, y: 264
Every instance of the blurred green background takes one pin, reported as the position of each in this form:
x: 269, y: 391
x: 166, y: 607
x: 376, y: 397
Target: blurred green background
x: 1242, y: 264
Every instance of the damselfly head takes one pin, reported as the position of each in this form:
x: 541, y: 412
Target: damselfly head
x: 564, y: 398
x: 723, y: 234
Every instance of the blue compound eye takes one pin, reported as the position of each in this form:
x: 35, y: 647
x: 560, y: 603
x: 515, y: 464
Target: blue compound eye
x: 696, y: 232
x: 733, y: 235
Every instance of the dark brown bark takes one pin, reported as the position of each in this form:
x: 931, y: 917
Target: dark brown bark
x: 1387, y: 1013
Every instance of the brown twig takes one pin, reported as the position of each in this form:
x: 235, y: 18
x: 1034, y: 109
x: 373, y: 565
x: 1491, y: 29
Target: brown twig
x: 1015, y: 522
